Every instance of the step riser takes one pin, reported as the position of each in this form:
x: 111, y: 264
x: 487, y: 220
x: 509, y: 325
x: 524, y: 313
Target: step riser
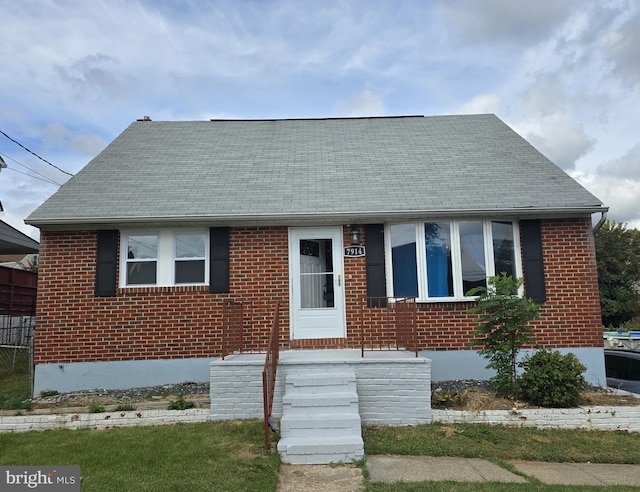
x: 322, y: 459
x: 354, y: 447
x: 338, y: 430
x: 348, y: 401
x: 320, y: 380
x: 326, y: 433
x: 320, y: 419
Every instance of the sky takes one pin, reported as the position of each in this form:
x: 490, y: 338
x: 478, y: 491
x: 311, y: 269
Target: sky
x: 564, y: 74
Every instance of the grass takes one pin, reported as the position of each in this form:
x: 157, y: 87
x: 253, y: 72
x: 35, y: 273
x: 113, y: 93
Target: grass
x: 499, y: 444
x: 209, y: 456
x: 15, y: 387
x: 502, y: 443
x: 230, y: 455
x: 487, y: 487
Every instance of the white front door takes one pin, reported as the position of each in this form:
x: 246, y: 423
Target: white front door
x: 316, y: 282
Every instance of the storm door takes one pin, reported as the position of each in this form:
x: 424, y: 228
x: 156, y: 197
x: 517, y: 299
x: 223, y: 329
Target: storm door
x: 316, y: 282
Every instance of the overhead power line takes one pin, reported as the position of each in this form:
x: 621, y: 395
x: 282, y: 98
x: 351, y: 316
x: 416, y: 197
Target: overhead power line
x: 42, y: 176
x: 46, y: 180
x: 32, y: 152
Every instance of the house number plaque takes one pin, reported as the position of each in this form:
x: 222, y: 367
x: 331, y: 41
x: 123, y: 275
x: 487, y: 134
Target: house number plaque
x: 354, y: 251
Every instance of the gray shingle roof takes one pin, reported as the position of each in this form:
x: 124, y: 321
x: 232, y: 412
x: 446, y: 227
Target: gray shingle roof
x: 12, y: 241
x: 324, y: 168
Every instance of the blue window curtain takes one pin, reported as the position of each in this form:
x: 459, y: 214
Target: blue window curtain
x: 438, y: 243
x: 403, y: 257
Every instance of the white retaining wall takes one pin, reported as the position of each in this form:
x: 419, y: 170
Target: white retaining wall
x: 105, y: 420
x: 394, y: 388
x: 626, y: 419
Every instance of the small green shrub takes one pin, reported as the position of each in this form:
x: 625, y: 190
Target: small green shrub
x: 180, y: 404
x: 126, y: 407
x: 45, y: 393
x: 13, y: 401
x: 502, y: 329
x: 551, y: 379
x: 95, y: 408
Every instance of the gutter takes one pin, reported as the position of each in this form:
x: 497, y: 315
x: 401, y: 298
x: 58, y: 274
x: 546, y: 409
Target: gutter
x: 355, y: 216
x: 601, y: 222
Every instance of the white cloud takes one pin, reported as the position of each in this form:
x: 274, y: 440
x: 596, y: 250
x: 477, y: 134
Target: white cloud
x: 619, y: 194
x: 626, y: 167
x: 498, y: 21
x: 558, y: 137
x: 57, y: 136
x: 365, y: 103
x: 482, y: 104
x: 623, y: 48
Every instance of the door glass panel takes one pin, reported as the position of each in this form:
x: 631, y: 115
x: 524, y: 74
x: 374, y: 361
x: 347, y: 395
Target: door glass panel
x: 316, y: 273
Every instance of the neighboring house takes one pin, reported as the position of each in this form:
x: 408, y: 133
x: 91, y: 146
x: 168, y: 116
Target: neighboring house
x: 13, y: 242
x: 142, y: 246
x: 17, y: 288
x: 20, y: 262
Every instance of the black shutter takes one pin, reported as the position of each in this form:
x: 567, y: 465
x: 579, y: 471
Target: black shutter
x: 375, y: 266
x: 106, y: 263
x: 218, y: 260
x: 531, y: 235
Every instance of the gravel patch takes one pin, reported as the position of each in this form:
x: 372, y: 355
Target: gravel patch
x: 459, y: 385
x: 151, y: 393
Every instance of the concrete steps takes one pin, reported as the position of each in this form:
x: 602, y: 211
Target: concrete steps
x: 320, y: 418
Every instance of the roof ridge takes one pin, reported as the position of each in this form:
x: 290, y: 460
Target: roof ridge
x: 323, y: 119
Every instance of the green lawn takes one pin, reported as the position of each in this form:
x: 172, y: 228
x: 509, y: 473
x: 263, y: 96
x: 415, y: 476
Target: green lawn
x: 230, y: 455
x: 209, y: 456
x: 15, y: 386
x: 504, y: 443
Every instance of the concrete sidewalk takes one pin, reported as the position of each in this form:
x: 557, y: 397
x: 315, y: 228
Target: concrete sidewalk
x: 423, y: 468
x: 390, y: 469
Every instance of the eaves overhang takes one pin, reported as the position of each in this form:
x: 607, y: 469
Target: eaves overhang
x: 282, y: 219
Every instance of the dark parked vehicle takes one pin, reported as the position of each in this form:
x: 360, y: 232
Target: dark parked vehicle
x: 623, y: 369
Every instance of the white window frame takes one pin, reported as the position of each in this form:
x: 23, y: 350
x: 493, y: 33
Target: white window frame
x: 166, y: 257
x: 456, y: 263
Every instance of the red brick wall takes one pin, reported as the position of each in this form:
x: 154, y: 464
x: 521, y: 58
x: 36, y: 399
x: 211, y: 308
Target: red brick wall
x: 184, y: 322
x: 152, y: 322
x: 569, y: 318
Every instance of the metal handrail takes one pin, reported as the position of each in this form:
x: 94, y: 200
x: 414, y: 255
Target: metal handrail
x: 269, y: 375
x: 395, y: 318
x: 232, y: 327
x: 406, y: 333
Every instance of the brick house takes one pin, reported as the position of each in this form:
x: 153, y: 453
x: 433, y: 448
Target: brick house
x: 141, y: 248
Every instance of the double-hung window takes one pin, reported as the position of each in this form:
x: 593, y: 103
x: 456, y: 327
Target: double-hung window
x: 445, y: 259
x: 190, y: 258
x: 164, y: 258
x: 142, y: 259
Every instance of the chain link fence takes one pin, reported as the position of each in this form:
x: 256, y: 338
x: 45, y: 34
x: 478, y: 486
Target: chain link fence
x: 16, y: 347
x: 17, y: 329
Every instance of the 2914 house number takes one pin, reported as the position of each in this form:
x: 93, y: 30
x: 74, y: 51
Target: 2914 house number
x: 354, y: 251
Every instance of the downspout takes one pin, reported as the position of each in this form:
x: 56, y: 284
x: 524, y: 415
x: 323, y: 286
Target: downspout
x: 600, y: 223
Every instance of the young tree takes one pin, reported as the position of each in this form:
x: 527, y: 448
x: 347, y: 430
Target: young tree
x: 618, y: 256
x: 502, y: 329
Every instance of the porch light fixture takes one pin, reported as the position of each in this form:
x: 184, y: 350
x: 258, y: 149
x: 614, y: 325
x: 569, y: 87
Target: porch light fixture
x: 355, y: 236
